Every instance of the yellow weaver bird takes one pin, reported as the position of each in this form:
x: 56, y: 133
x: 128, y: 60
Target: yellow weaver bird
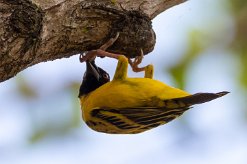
x: 130, y: 105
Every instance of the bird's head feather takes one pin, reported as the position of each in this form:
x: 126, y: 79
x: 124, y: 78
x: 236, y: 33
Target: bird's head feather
x: 93, y: 78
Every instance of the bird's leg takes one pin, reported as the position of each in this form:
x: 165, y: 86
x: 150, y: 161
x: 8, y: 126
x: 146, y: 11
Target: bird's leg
x: 90, y: 55
x: 147, y: 69
x: 122, y: 68
x: 109, y: 42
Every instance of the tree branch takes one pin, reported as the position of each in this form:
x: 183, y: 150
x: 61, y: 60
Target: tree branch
x: 36, y: 31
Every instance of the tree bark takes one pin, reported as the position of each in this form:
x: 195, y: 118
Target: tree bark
x: 34, y: 31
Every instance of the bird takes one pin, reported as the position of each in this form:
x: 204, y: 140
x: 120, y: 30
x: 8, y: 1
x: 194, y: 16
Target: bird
x: 130, y: 105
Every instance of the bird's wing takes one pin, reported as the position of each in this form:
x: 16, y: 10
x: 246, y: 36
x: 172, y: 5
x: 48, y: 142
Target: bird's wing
x: 138, y: 118
x: 190, y: 100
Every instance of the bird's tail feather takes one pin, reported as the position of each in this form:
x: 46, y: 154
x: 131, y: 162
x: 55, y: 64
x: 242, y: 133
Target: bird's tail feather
x: 200, y: 98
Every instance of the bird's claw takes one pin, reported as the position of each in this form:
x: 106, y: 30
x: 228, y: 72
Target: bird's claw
x: 91, y: 55
x: 134, y: 64
x: 82, y: 57
x: 88, y: 56
x: 109, y: 42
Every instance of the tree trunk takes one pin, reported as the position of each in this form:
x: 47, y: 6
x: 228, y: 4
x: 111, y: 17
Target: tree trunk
x: 34, y: 31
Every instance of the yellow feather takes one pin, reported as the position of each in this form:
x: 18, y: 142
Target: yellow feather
x: 133, y: 105
x: 131, y: 92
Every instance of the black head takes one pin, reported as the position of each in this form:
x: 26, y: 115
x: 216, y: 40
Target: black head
x: 93, y: 78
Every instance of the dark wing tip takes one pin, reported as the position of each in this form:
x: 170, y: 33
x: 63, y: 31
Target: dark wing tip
x: 205, y: 97
x: 200, y: 98
x: 220, y: 94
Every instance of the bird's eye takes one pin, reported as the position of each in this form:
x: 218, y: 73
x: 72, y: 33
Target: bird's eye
x: 106, y: 76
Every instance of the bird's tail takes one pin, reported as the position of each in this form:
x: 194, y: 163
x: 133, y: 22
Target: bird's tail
x: 198, y: 98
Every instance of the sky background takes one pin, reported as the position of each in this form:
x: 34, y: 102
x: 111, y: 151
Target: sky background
x: 40, y: 116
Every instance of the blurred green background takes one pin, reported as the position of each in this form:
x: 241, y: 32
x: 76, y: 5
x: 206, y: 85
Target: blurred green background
x: 201, y: 47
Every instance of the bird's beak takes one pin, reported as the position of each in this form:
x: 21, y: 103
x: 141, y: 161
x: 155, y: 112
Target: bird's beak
x: 91, y: 69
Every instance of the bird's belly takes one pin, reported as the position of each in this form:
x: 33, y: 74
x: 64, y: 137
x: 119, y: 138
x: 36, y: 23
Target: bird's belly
x: 134, y: 92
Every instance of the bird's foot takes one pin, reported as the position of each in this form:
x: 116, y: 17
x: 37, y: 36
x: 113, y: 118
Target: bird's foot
x: 134, y: 64
x: 147, y: 69
x: 109, y: 42
x: 91, y: 55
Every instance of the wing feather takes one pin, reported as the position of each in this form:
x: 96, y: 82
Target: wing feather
x: 139, y: 117
x: 197, y: 98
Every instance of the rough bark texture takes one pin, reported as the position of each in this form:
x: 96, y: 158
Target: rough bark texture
x: 33, y: 31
